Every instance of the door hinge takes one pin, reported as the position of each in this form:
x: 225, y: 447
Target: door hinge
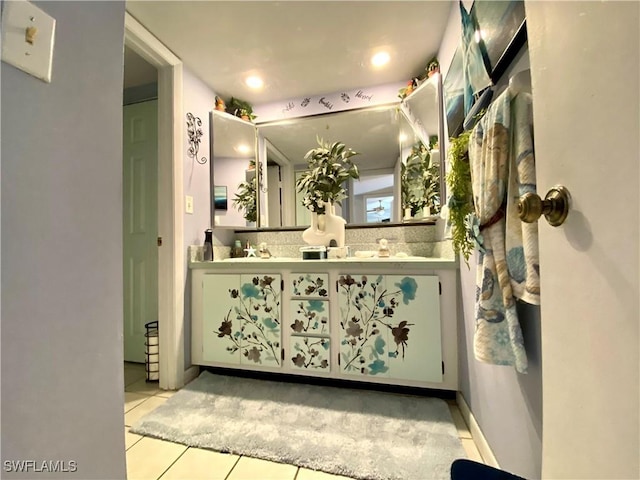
x: 159, y: 241
x: 282, y: 354
x: 338, y: 359
x: 282, y: 285
x: 443, y: 368
x: 440, y: 287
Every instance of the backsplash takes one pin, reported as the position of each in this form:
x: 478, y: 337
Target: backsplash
x: 415, y: 240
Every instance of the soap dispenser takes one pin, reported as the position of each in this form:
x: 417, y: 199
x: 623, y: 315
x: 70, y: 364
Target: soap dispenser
x: 383, y: 250
x: 208, y: 245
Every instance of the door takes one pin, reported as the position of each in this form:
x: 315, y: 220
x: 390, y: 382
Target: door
x: 221, y: 326
x: 415, y: 350
x: 586, y: 120
x: 140, y: 224
x: 274, y: 189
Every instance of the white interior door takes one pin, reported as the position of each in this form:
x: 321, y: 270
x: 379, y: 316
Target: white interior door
x: 274, y: 187
x: 585, y: 83
x: 140, y: 224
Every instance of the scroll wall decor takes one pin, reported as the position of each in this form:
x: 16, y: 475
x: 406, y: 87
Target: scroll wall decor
x: 194, y: 132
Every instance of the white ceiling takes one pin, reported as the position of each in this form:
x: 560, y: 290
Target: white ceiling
x: 299, y: 48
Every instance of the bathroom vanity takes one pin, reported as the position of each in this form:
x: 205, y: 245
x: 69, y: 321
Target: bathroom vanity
x: 379, y: 320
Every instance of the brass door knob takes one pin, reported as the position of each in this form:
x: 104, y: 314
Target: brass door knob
x: 554, y: 207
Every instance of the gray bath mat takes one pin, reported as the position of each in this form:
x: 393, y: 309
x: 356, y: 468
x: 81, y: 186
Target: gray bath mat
x: 355, y: 433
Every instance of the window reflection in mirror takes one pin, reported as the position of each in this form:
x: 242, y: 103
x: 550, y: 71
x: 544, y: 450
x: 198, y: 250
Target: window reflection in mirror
x: 233, y: 166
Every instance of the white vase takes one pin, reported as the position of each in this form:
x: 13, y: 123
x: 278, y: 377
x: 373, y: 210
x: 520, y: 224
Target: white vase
x: 325, y: 227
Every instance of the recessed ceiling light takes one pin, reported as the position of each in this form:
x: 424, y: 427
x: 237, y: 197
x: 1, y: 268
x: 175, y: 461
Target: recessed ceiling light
x: 254, y: 82
x: 380, y: 59
x: 243, y: 148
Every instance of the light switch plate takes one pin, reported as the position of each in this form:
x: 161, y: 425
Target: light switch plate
x: 188, y: 202
x: 33, y: 58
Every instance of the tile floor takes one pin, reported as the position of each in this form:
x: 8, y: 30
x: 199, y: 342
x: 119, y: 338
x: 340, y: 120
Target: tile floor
x: 151, y: 459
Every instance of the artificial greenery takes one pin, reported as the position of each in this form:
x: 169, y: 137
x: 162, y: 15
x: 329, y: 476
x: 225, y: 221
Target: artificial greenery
x: 330, y: 167
x: 246, y: 199
x: 461, y: 199
x: 433, y: 66
x: 240, y: 108
x: 420, y: 181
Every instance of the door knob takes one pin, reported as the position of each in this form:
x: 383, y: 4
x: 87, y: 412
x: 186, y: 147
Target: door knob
x: 554, y: 207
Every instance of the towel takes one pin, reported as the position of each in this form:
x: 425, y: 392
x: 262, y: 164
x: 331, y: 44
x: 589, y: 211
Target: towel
x: 502, y: 167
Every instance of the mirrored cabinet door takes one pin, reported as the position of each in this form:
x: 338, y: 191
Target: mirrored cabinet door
x: 234, y: 180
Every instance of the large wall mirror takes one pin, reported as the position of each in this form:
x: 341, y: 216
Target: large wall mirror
x: 383, y: 136
x: 372, y: 132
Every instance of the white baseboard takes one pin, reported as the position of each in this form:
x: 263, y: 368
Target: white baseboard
x: 191, y: 373
x: 478, y: 437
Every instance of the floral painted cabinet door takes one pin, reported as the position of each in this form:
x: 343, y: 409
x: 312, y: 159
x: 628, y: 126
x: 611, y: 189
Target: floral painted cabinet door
x: 242, y: 316
x: 390, y: 326
x: 415, y: 352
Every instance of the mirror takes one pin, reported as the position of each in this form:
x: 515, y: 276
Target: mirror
x: 374, y: 132
x: 383, y: 136
x: 233, y: 171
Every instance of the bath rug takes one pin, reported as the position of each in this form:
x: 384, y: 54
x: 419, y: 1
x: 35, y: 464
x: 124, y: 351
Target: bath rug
x: 356, y: 433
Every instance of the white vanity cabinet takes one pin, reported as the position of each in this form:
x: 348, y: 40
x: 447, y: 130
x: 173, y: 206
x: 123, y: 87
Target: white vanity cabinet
x: 386, y: 321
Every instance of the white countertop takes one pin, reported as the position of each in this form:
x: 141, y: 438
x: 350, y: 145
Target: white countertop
x: 429, y: 262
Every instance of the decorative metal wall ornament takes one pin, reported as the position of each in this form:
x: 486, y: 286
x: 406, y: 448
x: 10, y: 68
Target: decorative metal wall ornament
x: 263, y: 186
x: 195, y: 133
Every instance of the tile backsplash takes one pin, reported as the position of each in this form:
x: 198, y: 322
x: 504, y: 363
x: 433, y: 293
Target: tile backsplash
x: 417, y: 240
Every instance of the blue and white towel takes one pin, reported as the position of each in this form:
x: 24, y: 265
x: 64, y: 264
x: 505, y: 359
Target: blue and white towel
x: 502, y: 168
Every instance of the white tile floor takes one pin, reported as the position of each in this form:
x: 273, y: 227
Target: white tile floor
x: 152, y: 459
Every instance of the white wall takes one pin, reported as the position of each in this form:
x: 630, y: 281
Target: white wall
x: 199, y: 100
x: 62, y: 325
x: 507, y: 405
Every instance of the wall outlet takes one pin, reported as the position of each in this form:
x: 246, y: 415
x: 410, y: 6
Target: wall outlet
x: 188, y: 202
x: 27, y: 38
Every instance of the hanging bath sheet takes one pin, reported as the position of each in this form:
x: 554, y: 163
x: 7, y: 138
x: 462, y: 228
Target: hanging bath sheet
x: 502, y: 168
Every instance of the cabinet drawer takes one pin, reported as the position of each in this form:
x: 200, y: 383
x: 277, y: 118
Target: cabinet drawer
x: 314, y: 285
x: 310, y: 353
x: 309, y: 316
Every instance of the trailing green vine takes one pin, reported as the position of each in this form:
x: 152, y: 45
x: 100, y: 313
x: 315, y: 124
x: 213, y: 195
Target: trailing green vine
x: 461, y: 200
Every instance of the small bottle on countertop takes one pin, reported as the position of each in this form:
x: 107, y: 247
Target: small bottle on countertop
x: 208, y: 245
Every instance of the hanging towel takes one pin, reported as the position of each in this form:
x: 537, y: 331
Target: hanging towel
x: 522, y: 238
x: 502, y: 165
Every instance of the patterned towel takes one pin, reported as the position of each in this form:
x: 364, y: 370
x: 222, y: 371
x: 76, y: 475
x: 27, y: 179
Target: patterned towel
x: 502, y: 167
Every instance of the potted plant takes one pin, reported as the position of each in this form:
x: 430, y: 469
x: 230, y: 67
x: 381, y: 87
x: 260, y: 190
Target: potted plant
x: 246, y: 199
x: 420, y: 182
x: 322, y: 186
x: 330, y: 167
x: 411, y: 181
x: 432, y: 67
x: 241, y: 109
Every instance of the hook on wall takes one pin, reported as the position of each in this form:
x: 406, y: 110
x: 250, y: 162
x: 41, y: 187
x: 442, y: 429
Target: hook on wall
x: 194, y: 132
